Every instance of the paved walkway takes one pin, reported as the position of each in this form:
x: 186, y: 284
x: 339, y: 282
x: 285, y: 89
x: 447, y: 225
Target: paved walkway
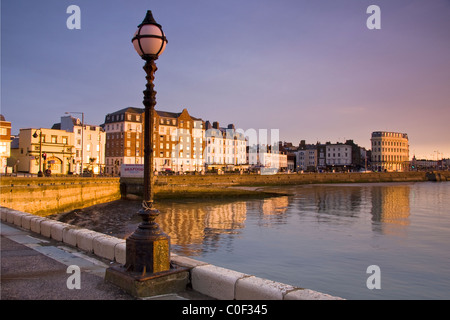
x: 36, y: 268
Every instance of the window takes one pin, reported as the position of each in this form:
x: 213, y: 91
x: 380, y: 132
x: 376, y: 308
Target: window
x: 64, y: 140
x: 54, y: 139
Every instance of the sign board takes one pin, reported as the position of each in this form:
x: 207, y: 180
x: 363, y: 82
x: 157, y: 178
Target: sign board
x: 268, y: 171
x: 132, y: 170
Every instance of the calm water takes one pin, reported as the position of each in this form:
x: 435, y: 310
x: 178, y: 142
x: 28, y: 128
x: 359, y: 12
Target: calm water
x: 323, y: 237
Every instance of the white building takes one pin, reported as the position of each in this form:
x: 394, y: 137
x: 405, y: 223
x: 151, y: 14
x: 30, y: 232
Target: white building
x: 225, y: 147
x: 89, y: 142
x: 338, y: 155
x: 263, y: 157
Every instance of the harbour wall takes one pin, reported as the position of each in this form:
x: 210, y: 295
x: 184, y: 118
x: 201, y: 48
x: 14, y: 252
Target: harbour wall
x: 222, y: 185
x: 46, y: 195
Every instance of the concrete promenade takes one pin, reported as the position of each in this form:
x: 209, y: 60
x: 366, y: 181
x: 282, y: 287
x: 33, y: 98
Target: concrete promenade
x: 36, y: 253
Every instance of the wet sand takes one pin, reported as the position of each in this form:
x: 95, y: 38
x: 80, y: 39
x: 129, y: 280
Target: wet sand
x: 117, y: 218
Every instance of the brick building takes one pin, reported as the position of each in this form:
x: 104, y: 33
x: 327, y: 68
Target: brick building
x: 178, y: 140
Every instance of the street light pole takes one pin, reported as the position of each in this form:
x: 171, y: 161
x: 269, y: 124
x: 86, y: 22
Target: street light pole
x: 40, y: 172
x: 148, y: 247
x: 147, y: 270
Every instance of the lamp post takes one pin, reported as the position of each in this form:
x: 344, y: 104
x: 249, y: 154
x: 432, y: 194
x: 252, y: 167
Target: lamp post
x: 147, y: 249
x: 35, y: 135
x: 147, y: 270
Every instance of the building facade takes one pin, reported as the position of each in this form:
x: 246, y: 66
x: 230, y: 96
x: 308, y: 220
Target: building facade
x: 89, y: 142
x: 178, y: 140
x: 5, y: 143
x: 43, y: 149
x: 124, y: 139
x: 390, y: 151
x: 306, y: 157
x: 261, y: 156
x: 338, y: 156
x: 225, y: 148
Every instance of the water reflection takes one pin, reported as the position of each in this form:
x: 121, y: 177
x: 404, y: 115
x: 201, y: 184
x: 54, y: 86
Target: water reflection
x: 191, y: 224
x: 203, y: 226
x: 390, y: 208
x: 348, y: 204
x: 198, y: 227
x: 269, y: 212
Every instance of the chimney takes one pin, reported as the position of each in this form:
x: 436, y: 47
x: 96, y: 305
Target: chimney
x: 215, y: 125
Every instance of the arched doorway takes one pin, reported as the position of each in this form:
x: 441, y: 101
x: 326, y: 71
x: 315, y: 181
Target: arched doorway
x: 54, y: 164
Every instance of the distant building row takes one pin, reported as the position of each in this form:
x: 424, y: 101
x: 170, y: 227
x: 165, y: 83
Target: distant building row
x: 390, y: 152
x: 183, y: 143
x: 69, y: 147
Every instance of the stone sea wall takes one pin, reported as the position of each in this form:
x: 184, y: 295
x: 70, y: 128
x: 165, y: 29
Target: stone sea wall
x: 44, y: 196
x: 222, y: 185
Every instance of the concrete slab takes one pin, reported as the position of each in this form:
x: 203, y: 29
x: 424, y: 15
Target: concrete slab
x: 254, y: 288
x: 215, y: 281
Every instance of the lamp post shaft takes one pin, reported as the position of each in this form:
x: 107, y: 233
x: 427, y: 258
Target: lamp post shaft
x: 40, y: 172
x: 149, y: 103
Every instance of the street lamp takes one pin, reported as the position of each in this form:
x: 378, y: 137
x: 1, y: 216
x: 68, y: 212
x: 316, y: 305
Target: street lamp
x: 147, y: 270
x: 35, y: 135
x: 147, y: 249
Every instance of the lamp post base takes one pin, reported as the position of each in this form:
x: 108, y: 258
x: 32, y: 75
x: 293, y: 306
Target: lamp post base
x: 174, y: 280
x: 148, y: 271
